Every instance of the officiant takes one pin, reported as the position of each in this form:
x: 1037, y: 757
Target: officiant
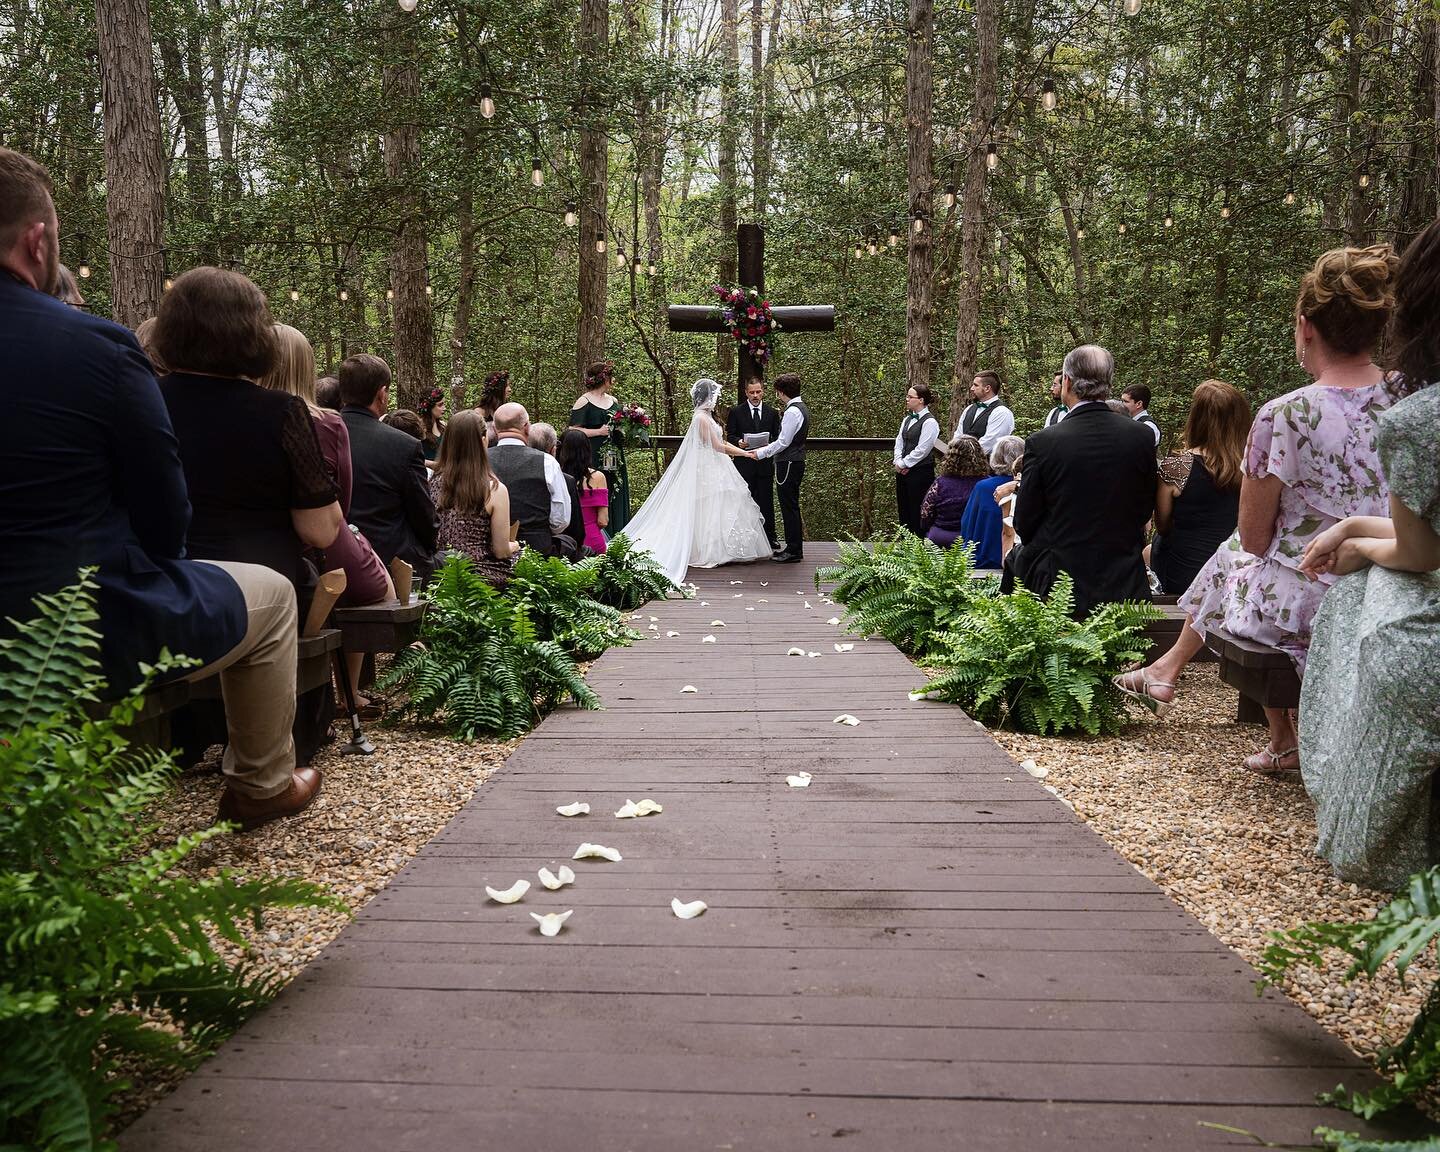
x: 751, y: 417
x: 914, y: 464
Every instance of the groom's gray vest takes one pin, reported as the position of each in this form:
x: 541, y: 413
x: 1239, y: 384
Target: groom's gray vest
x: 795, y: 450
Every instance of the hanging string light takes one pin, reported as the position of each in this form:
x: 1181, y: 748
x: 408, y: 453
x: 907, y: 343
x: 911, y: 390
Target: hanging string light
x: 294, y: 284
x: 859, y: 250
x: 654, y: 267
x: 951, y: 192
x: 1122, y: 228
x: 619, y: 255
x: 1132, y: 7
x: 1225, y: 204
x: 389, y: 294
x: 487, y: 102
x: 1290, y: 188
x: 409, y: 5
x: 1080, y: 230
x: 1048, y: 99
x: 992, y: 158
x: 571, y: 219
x: 537, y: 174
x: 165, y: 270
x: 894, y: 238
x: 872, y: 246
x: 1169, y: 217
x: 83, y: 271
x: 917, y: 225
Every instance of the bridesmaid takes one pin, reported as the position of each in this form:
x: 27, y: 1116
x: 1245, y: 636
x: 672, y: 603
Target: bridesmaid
x: 591, y: 413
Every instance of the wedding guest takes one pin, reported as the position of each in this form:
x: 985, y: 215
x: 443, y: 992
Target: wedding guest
x: 1057, y: 413
x: 1087, y: 495
x: 1136, y: 400
x: 495, y: 393
x: 327, y: 393
x: 100, y: 422
x: 1197, y: 500
x: 543, y: 438
x: 1369, y: 720
x: 1117, y: 407
x: 589, y: 482
x: 143, y: 335
x: 1312, y: 460
x: 432, y: 422
x: 987, y: 418
x: 390, y: 500
x: 67, y: 289
x: 591, y: 413
x: 408, y: 421
x: 473, y: 503
x: 980, y: 524
x: 942, y: 511
x: 914, y: 464
x: 539, y: 499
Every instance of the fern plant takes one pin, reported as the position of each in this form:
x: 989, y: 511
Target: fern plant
x: 98, y: 931
x: 559, y: 599
x: 906, y: 589
x: 482, y: 664
x: 1400, y: 932
x: 626, y: 578
x: 1021, y: 662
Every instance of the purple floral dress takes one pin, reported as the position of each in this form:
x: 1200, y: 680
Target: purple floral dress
x: 1323, y: 444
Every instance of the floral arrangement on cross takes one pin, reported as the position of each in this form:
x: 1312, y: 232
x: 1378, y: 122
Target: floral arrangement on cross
x: 630, y: 424
x: 748, y: 317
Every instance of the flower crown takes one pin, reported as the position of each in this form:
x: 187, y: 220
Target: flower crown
x: 597, y: 374
x: 433, y: 397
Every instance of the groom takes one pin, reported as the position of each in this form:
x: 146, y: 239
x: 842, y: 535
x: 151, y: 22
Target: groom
x: 752, y: 415
x: 788, y: 452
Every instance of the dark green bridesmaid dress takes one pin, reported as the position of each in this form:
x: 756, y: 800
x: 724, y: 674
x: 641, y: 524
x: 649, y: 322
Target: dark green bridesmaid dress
x: 591, y: 415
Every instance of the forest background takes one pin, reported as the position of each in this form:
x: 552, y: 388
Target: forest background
x: 971, y: 186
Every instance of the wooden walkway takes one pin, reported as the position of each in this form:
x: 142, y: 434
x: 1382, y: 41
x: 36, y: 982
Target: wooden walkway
x: 922, y: 950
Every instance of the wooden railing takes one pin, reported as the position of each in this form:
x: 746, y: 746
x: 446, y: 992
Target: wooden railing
x: 813, y: 444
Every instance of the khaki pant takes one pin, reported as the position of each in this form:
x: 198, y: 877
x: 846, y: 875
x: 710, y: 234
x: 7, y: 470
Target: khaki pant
x: 257, y: 679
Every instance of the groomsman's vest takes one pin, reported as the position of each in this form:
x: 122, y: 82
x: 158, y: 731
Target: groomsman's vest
x: 976, y: 417
x: 1146, y: 419
x: 910, y: 434
x: 1056, y: 415
x: 795, y: 450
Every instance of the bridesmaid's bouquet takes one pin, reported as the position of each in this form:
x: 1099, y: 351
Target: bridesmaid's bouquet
x: 630, y: 424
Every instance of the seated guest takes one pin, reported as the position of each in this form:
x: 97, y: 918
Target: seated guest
x: 913, y: 457
x: 538, y: 496
x: 1118, y: 407
x: 1136, y: 400
x: 432, y: 422
x: 1087, y: 494
x: 407, y: 421
x: 1312, y: 460
x: 980, y: 525
x: 99, y: 421
x: 327, y: 393
x: 590, y: 484
x: 943, y: 508
x: 543, y: 438
x: 366, y: 581
x: 1369, y: 726
x: 1197, y: 501
x: 390, y: 501
x: 474, y: 505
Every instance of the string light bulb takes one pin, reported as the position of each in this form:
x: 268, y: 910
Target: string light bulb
x: 1169, y: 219
x: 992, y: 158
x: 1132, y: 7
x: 409, y: 5
x: 1048, y: 99
x: 571, y: 219
x: 619, y: 256
x: 487, y: 102
x: 294, y: 294
x: 344, y: 295
x: 429, y: 289
x: 917, y: 225
x: 600, y: 243
x: 950, y: 195
x: 1364, y: 180
x: 654, y: 268
x: 389, y: 294
x: 894, y: 237
x: 1122, y: 228
x: 537, y: 174
x: 872, y: 247
x: 1290, y: 196
x: 859, y: 250
x: 84, y: 270
x: 1080, y: 231
x: 638, y: 266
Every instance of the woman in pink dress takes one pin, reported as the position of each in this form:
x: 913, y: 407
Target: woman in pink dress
x: 575, y: 456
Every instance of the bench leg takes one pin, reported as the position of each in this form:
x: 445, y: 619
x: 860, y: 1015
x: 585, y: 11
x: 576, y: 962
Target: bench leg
x: 1250, y: 711
x: 357, y: 745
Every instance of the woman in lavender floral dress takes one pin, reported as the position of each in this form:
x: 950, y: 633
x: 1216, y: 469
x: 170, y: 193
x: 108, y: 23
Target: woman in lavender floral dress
x: 1312, y: 460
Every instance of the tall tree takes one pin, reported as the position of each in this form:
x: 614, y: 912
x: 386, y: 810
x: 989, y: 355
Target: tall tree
x: 919, y: 102
x: 134, y: 173
x: 594, y: 40
x: 728, y: 146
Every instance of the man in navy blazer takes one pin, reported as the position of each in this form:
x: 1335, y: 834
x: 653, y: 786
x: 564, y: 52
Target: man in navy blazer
x: 92, y: 478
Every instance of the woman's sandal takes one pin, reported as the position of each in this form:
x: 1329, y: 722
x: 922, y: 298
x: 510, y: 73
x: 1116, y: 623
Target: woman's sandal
x: 1272, y: 763
x: 1125, y: 683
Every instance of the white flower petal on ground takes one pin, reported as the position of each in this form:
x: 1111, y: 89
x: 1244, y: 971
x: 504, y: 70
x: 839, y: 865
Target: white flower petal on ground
x: 844, y: 647
x: 578, y: 808
x: 550, y: 880
x: 917, y: 694
x: 749, y: 609
x: 685, y: 911
x: 799, y: 780
x: 717, y: 623
x: 1035, y: 770
x: 813, y: 655
x: 764, y: 583
x: 833, y: 620
x: 795, y: 652
x: 738, y: 596
x: 637, y: 616
x: 654, y: 628
x: 762, y: 600
x: 1052, y: 790
x: 633, y: 808
x: 654, y: 619
x: 688, y: 688
x: 596, y: 852
x: 707, y: 640
x: 735, y: 582
x: 704, y: 603
x: 808, y: 604
x: 846, y: 719
x: 551, y: 922
x: 672, y: 633
x: 511, y: 894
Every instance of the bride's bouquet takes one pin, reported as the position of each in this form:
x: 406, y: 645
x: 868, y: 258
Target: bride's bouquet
x: 630, y: 425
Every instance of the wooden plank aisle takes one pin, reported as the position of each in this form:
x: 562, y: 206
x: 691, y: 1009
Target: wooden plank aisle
x: 922, y: 950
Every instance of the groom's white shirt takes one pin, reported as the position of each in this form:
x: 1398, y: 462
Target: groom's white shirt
x: 789, y: 425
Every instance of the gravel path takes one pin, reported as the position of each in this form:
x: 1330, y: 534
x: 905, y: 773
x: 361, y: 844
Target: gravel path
x: 1235, y: 849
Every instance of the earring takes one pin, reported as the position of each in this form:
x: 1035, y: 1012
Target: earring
x: 1302, y: 355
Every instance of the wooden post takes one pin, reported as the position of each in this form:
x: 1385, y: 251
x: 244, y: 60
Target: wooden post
x: 751, y: 242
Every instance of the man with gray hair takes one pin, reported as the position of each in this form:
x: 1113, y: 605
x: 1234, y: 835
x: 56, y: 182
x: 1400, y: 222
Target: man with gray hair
x: 543, y: 438
x: 1087, y: 492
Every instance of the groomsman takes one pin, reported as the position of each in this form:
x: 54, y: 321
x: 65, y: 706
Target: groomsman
x: 914, y: 464
x: 1057, y: 413
x: 987, y: 419
x: 1136, y: 399
x: 750, y: 415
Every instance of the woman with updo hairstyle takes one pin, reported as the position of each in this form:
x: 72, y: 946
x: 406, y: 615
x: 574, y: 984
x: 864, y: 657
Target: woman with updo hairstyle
x: 943, y: 508
x: 432, y: 420
x: 591, y: 414
x: 1313, y: 459
x: 496, y: 392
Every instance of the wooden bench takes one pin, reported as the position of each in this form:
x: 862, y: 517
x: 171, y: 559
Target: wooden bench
x: 1163, y: 634
x: 387, y: 626
x: 312, y: 666
x: 1265, y: 677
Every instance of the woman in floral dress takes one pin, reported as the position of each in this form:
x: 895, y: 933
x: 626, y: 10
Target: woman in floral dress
x: 1312, y: 460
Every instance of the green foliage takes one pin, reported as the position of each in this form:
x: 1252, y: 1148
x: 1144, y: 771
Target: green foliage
x: 1398, y: 933
x: 625, y: 578
x: 559, y: 599
x: 1334, y: 1140
x: 906, y: 589
x: 1021, y: 662
x: 101, y: 937
x: 483, y: 665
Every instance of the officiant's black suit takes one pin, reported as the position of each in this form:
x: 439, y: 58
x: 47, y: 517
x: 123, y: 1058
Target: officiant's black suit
x: 758, y: 474
x: 1086, y: 493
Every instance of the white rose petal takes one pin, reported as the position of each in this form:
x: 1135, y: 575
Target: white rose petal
x: 844, y: 647
x: 596, y: 852
x: 735, y: 582
x: 707, y: 640
x: 833, y: 620
x: 1051, y: 789
x: 654, y: 628
x: 749, y: 609
x: 511, y: 894
x: 685, y: 911
x: 846, y: 718
x: 813, y: 655
x: 551, y: 922
x: 554, y: 880
x: 762, y: 600
x: 1031, y: 767
x: 799, y: 780
x: 704, y: 603
x: 717, y: 623
x: 636, y: 616
x: 764, y: 583
x: 795, y: 652
x: 738, y: 596
x: 688, y: 688
x: 654, y: 619
x: 918, y: 694
x: 578, y: 808
x: 631, y: 809
x: 808, y: 604
x: 672, y: 633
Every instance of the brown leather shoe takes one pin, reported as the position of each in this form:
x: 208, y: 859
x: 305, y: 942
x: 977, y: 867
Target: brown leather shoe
x: 250, y: 813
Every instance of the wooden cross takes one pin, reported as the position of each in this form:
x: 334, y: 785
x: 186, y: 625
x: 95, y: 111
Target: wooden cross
x: 750, y: 239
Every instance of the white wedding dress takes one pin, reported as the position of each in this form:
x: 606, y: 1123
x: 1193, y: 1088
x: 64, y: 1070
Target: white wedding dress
x: 701, y: 513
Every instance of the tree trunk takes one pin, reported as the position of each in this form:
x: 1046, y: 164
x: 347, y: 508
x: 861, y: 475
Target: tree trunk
x: 729, y: 141
x: 594, y: 41
x: 186, y: 85
x: 1355, y: 222
x: 919, y: 100
x: 414, y: 323
x: 972, y: 222
x: 134, y: 172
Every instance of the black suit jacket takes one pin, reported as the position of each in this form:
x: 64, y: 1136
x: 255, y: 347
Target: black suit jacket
x: 738, y: 422
x: 1086, y: 493
x: 390, y: 495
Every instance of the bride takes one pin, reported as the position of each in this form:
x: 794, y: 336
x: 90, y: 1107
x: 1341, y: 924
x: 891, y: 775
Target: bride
x: 701, y: 512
